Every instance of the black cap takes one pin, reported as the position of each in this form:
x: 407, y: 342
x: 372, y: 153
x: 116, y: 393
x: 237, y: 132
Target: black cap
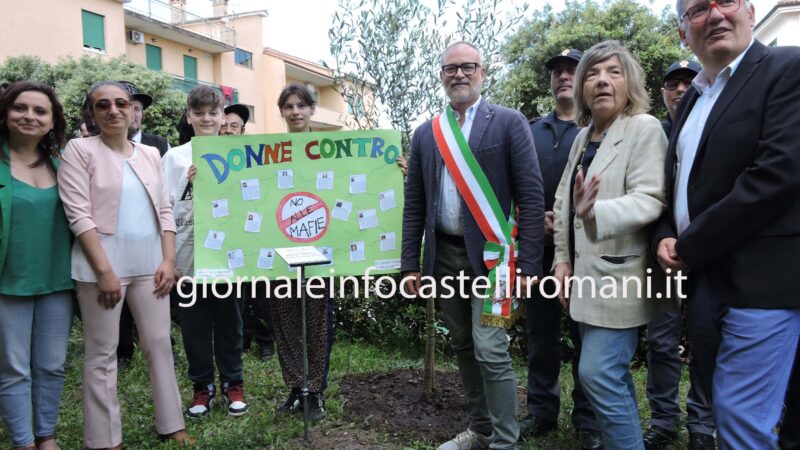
x: 239, y: 110
x: 569, y: 54
x: 144, y: 99
x: 686, y: 65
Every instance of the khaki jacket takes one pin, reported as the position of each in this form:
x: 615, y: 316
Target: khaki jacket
x: 616, y: 243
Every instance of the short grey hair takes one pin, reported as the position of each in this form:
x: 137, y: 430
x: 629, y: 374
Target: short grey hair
x: 638, y: 99
x: 480, y: 55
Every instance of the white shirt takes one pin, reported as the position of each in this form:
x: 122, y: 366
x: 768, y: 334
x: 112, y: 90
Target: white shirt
x: 176, y: 164
x: 135, y: 248
x: 689, y: 137
x: 448, y: 216
x: 137, y: 137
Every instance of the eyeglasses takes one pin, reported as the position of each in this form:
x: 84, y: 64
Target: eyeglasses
x: 699, y: 13
x: 467, y: 69
x: 673, y: 83
x: 105, y: 105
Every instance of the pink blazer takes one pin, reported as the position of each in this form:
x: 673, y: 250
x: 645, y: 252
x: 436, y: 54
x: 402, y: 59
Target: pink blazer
x: 90, y: 185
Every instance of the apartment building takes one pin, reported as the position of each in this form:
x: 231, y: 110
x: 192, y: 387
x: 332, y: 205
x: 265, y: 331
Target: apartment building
x: 224, y: 51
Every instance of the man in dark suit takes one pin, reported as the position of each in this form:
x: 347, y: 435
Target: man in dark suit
x: 500, y: 141
x: 553, y: 136
x: 734, y: 212
x: 140, y: 103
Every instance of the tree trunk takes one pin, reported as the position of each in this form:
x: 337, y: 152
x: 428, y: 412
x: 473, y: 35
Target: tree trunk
x: 429, y: 381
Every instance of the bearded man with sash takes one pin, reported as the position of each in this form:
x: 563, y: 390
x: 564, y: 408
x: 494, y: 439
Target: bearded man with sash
x: 474, y: 192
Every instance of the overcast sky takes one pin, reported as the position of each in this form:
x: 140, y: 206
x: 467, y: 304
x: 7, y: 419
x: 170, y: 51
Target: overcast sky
x: 300, y: 27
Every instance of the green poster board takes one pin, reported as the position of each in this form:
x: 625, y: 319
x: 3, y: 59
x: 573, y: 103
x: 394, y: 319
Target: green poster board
x: 341, y: 192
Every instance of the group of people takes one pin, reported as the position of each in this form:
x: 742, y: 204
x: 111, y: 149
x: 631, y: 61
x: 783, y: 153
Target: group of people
x: 600, y: 190
x: 109, y: 217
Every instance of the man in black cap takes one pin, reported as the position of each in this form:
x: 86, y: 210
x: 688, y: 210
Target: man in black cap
x: 140, y: 103
x: 553, y: 136
x: 236, y: 117
x: 677, y: 80
x: 664, y: 333
x: 255, y: 313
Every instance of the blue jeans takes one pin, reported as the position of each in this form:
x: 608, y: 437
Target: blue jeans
x: 606, y: 378
x: 33, y: 348
x: 753, y: 365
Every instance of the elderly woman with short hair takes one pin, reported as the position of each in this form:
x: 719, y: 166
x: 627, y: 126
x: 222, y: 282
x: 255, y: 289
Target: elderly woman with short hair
x: 609, y: 194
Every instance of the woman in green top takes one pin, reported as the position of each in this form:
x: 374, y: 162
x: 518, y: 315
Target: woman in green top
x: 35, y: 283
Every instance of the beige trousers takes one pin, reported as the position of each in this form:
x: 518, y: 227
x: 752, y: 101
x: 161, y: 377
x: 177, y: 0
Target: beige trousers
x: 102, y: 426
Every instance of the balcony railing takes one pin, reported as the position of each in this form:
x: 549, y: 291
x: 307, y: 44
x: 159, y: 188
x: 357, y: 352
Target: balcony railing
x: 164, y: 12
x: 186, y: 85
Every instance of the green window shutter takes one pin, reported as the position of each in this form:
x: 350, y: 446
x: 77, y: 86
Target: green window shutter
x: 153, y: 57
x: 189, y: 67
x: 94, y: 35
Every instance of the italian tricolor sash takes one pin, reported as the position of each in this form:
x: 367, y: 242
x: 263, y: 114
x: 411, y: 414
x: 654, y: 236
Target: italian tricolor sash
x: 500, y: 309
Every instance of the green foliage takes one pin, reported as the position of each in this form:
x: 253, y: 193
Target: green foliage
x: 394, y: 322
x: 72, y: 78
x: 652, y: 39
x: 390, y: 49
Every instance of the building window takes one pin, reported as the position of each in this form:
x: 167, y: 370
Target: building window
x: 94, y: 36
x: 359, y: 107
x: 252, y: 110
x: 153, y: 57
x: 774, y: 43
x: 243, y: 58
x: 189, y: 67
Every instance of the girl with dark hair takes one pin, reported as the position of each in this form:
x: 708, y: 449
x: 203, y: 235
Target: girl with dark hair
x: 114, y: 197
x: 35, y: 284
x: 297, y: 105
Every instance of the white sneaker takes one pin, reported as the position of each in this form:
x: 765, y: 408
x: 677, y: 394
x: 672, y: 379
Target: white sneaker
x: 468, y: 440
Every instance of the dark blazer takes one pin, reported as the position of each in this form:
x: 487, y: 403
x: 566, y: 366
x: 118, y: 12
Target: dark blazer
x: 502, y: 144
x: 155, y: 141
x: 744, y: 186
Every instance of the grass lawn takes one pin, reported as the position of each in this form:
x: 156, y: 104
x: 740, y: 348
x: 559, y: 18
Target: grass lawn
x: 261, y: 427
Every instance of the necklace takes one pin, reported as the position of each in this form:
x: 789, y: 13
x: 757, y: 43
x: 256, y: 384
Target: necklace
x: 582, y: 152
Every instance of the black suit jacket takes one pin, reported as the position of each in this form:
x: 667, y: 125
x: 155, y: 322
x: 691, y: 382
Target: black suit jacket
x: 155, y: 141
x: 502, y: 144
x: 744, y: 185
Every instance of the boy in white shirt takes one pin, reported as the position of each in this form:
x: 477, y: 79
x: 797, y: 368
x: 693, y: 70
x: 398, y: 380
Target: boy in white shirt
x: 212, y: 327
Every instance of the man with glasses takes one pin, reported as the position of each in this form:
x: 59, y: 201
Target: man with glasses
x: 474, y: 139
x: 733, y: 213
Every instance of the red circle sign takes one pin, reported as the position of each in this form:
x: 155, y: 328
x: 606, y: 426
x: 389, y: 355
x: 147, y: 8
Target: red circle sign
x: 303, y: 217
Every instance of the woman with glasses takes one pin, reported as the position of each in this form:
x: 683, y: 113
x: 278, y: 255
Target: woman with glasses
x: 35, y: 283
x: 113, y: 195
x: 611, y: 191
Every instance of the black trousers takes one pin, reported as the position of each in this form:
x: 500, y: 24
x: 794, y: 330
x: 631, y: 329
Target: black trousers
x: 212, y: 332
x: 544, y: 364
x: 256, y: 316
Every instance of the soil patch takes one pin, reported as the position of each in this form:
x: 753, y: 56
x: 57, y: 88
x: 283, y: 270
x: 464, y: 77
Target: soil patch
x: 393, y: 403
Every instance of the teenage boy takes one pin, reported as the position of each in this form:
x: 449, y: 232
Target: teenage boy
x: 212, y: 327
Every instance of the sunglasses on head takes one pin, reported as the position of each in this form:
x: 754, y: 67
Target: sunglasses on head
x: 105, y: 105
